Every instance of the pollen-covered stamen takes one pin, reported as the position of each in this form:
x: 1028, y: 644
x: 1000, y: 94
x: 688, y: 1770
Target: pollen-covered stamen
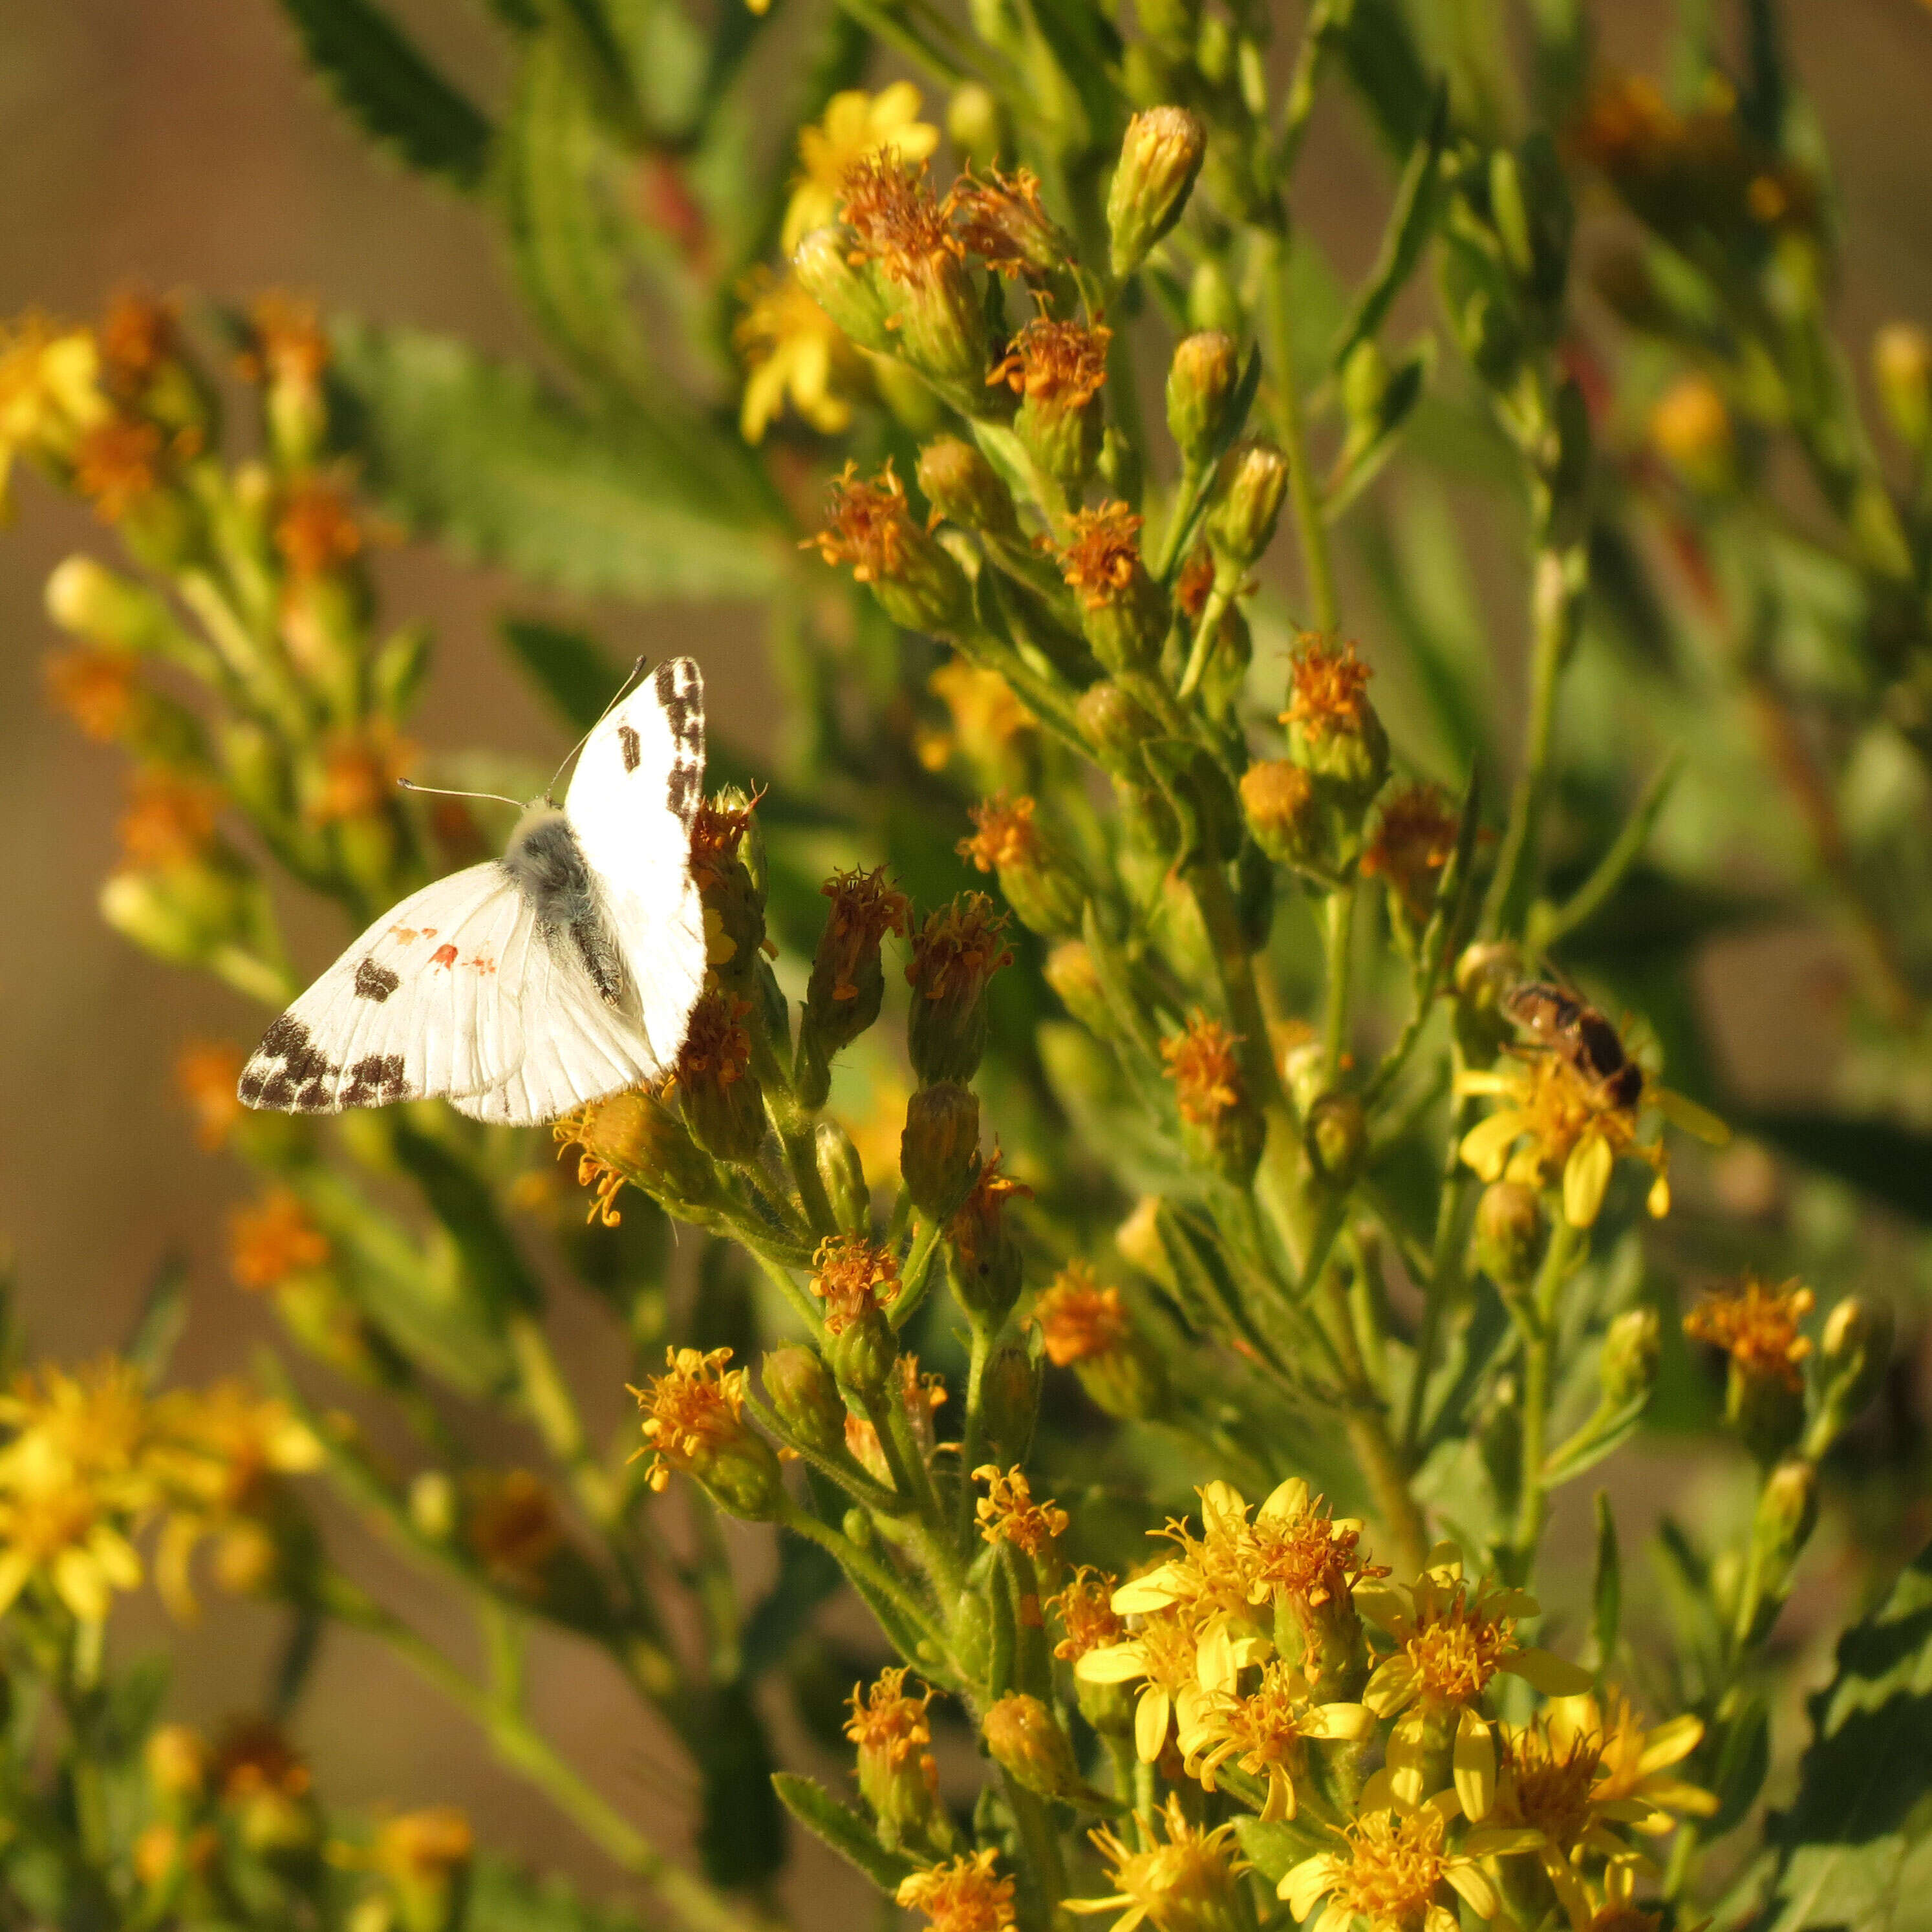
x: 695, y: 1409
x: 1008, y: 1514
x: 1059, y: 364
x: 1003, y: 833
x: 853, y: 1276
x: 1395, y: 1865
x: 1756, y: 1325
x: 868, y: 525
x: 1202, y: 1062
x: 1085, y: 1608
x: 1550, y: 1784
x: 1101, y: 558
x: 1458, y: 1650
x: 895, y: 218
x: 1330, y: 690
x: 1079, y: 1318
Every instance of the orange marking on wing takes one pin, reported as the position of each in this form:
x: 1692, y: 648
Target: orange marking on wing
x: 443, y: 955
x: 482, y: 962
x: 404, y: 935
x: 429, y: 932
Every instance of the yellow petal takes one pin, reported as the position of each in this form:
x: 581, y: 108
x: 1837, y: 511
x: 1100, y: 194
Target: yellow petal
x: 1154, y: 1591
x: 1657, y: 1202
x: 1502, y: 1841
x: 1303, y: 1884
x: 1117, y: 1664
x: 1473, y: 1882
x: 1586, y: 1174
x: 1475, y: 1766
x: 1150, y: 1718
x: 1486, y: 1080
x: 78, y: 1580
x: 1670, y: 1744
x: 1395, y: 1682
x: 1288, y: 1500
x: 1385, y: 1606
x: 1672, y: 1794
x: 1214, y: 1664
x: 1487, y: 1145
x: 1554, y: 1676
x: 1280, y: 1805
x: 1353, y: 1722
x: 1686, y: 1114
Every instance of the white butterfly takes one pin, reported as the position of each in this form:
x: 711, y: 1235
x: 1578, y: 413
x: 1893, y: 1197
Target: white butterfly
x: 563, y: 971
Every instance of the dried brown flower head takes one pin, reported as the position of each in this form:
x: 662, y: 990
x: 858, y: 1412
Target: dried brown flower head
x: 1415, y: 839
x: 1057, y: 363
x: 1329, y: 689
x: 1756, y: 1325
x: 1101, y: 556
x: 896, y: 219
x: 865, y: 906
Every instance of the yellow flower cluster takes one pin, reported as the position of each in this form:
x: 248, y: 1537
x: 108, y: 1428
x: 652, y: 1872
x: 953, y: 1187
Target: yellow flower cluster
x: 92, y: 1458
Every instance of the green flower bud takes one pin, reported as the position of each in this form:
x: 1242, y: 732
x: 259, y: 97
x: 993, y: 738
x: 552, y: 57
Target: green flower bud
x: 1122, y: 611
x: 433, y: 1506
x: 842, y: 1174
x: 845, y: 290
x: 964, y: 487
x: 1212, y: 302
x: 1485, y: 972
x: 1787, y: 1513
x: 1853, y: 1355
x: 1278, y: 802
x: 1115, y: 726
x: 957, y: 952
x: 939, y: 1151
x: 88, y: 600
x: 915, y: 578
x: 805, y: 1397
x: 1335, y: 1136
x: 1026, y: 1741
x: 1249, y: 490
x: 1071, y: 972
x: 1511, y: 1235
x: 1901, y: 360
x: 1201, y: 383
x: 1159, y: 158
x: 863, y: 1353
x: 1633, y: 1349
x: 1009, y: 1401
x: 1138, y: 1239
x: 1037, y: 879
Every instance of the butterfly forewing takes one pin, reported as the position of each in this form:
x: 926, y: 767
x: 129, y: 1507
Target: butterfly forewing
x: 422, y: 1005
x: 636, y: 788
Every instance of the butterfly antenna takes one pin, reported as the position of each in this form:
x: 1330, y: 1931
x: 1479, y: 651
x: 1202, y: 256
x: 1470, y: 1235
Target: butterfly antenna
x: 444, y: 791
x: 622, y: 691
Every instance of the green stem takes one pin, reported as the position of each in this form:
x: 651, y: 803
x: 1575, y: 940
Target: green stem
x: 1304, y: 492
x: 1444, y: 1280
x: 862, y: 1564
x: 1566, y: 1242
x: 1556, y: 606
x: 1338, y: 939
x: 1212, y: 613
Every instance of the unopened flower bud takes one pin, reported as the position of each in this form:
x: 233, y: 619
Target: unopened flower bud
x: 1278, y: 803
x: 1026, y: 1741
x: 848, y: 984
x: 1115, y: 725
x: 1159, y: 158
x: 897, y: 1776
x: 88, y: 600
x: 957, y: 952
x: 1201, y: 383
x: 1071, y: 972
x: 1902, y: 370
x: 976, y: 125
x: 426, y: 1856
x: 1633, y: 1349
x: 634, y: 1136
x: 1485, y: 972
x: 178, y: 1758
x: 1337, y: 1137
x: 805, y: 1397
x: 939, y: 1151
x: 1249, y: 488
x: 1213, y: 301
x: 964, y: 487
x: 1037, y: 878
x: 843, y: 290
x: 1008, y: 1400
x: 1787, y: 1511
x: 1510, y: 1234
x: 1138, y: 1239
x: 432, y: 1505
x: 1853, y: 1354
x: 1691, y: 429
x: 842, y: 1174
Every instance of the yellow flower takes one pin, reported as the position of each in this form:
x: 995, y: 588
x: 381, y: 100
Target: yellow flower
x: 961, y: 1895
x: 1163, y: 1655
x: 1756, y: 1325
x: 1571, y: 1775
x: 61, y: 1530
x: 1265, y: 1733
x: 1570, y: 1129
x: 1007, y: 1512
x: 92, y: 1424
x: 1186, y: 1885
x: 50, y: 391
x: 856, y: 126
x: 791, y: 348
x: 1392, y: 1873
x: 1452, y: 1641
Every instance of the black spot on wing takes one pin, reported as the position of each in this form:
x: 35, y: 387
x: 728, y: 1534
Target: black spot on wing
x: 683, y: 789
x: 376, y: 1081
x: 680, y: 694
x: 375, y: 982
x: 289, y: 1073
x: 632, y: 745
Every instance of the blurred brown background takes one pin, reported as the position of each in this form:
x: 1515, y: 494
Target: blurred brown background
x: 177, y: 144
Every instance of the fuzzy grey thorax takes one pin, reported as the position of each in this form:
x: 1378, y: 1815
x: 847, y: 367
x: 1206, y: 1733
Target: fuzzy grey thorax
x: 545, y: 858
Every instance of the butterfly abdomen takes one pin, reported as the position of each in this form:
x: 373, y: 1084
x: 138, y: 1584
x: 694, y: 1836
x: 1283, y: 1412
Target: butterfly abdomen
x: 547, y: 862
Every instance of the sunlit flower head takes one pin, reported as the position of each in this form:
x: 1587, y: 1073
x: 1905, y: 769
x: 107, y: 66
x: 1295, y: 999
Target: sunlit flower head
x: 1328, y: 689
x: 1415, y: 836
x: 1206, y: 1070
x: 1452, y: 1638
x: 273, y: 1240
x: 1007, y: 1512
x: 962, y: 1895
x: 793, y: 352
x: 317, y: 530
x: 1397, y: 1873
x: 691, y: 1412
x: 1085, y: 1611
x: 855, y: 126
x: 1004, y: 834
x: 868, y: 525
x: 170, y: 821
x: 717, y: 1049
x: 1079, y: 1318
x: 206, y: 1073
x: 1185, y: 1884
x: 1266, y: 1731
x: 66, y: 1533
x: 896, y: 220
x: 100, y: 690
x: 1161, y: 1653
x: 865, y: 906
x: 118, y: 463
x: 853, y: 1276
x: 1000, y: 219
x: 958, y: 949
x: 1060, y: 364
x: 1756, y: 1325
x: 1101, y: 558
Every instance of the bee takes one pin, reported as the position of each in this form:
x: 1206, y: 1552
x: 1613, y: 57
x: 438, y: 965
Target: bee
x: 1581, y: 1036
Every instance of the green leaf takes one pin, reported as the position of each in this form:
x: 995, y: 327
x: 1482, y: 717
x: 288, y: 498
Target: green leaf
x: 1890, y: 1162
x: 844, y: 1830
x: 1864, y: 1781
x: 383, y: 81
x: 478, y: 454
x: 1385, y: 67
x: 1606, y: 1587
x: 1275, y: 1850
x: 1411, y: 221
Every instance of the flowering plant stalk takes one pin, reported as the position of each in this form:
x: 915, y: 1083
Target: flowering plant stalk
x: 1155, y: 1077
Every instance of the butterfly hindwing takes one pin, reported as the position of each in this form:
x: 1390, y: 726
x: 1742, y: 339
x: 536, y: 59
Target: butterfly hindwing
x: 423, y: 1004
x: 637, y: 787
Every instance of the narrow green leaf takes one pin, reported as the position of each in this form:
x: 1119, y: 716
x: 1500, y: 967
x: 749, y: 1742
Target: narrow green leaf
x: 383, y: 81
x: 1410, y: 223
x: 163, y: 1314
x: 844, y: 1830
x: 1866, y: 1775
x: 1548, y: 926
x: 1606, y: 1585
x: 478, y: 454
x: 1384, y: 65
x: 1275, y: 1849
